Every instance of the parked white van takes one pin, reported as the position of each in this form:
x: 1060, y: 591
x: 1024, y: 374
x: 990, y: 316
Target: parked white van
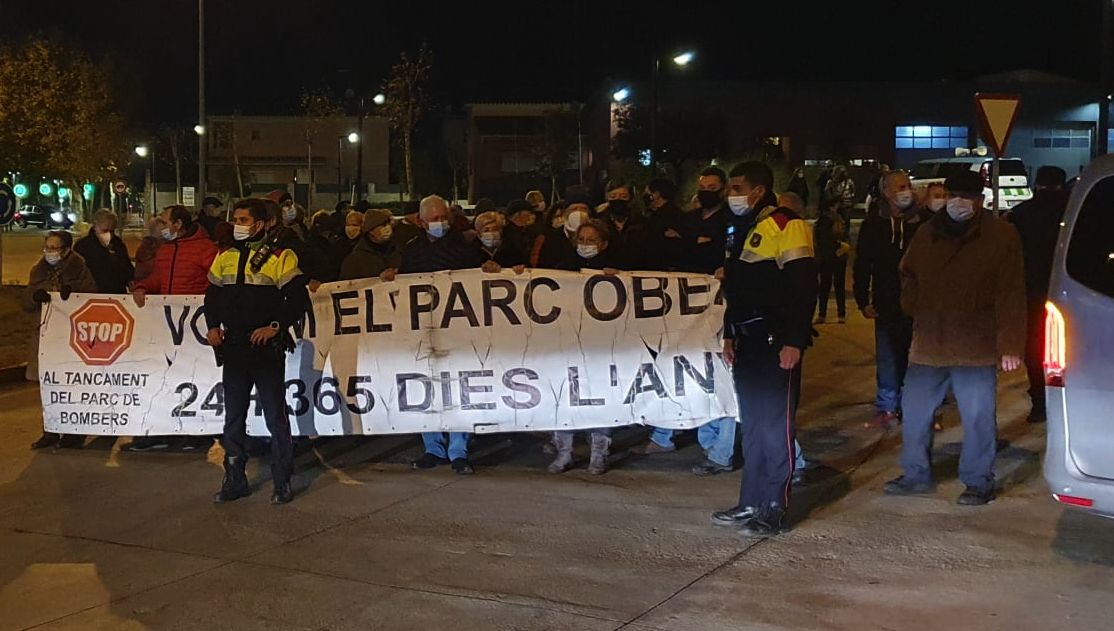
x: 1013, y: 178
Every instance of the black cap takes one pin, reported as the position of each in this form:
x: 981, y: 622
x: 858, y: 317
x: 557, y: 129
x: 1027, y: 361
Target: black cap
x: 483, y: 205
x: 343, y: 206
x: 518, y: 205
x: 363, y: 206
x: 212, y: 201
x: 964, y: 183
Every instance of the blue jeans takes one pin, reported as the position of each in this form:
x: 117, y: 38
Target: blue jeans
x: 976, y: 395
x: 455, y: 446
x: 716, y: 437
x: 892, y: 339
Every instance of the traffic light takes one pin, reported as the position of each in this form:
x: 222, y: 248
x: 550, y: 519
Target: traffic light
x: 45, y: 189
x: 20, y: 190
x: 87, y: 190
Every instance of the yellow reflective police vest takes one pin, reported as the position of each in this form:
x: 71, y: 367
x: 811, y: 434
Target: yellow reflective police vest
x: 280, y: 268
x: 779, y: 237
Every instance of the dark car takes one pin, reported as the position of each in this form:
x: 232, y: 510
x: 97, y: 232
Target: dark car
x: 45, y: 217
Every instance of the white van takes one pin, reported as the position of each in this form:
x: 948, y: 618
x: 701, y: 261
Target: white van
x: 1013, y: 178
x: 1079, y: 348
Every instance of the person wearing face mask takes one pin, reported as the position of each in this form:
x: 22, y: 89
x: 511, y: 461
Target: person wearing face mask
x: 210, y: 215
x: 841, y: 187
x: 935, y: 198
x: 378, y: 253
x: 64, y: 271
x: 439, y: 249
x: 705, y: 236
x: 831, y: 239
x: 250, y: 306
x: 883, y: 237
x: 963, y: 283
x: 593, y: 251
x: 105, y: 254
x: 629, y: 239
x: 313, y: 258
x: 559, y: 244
x: 495, y: 250
x: 769, y: 286
x: 342, y: 246
x: 537, y: 202
x: 799, y: 185
x: 181, y: 268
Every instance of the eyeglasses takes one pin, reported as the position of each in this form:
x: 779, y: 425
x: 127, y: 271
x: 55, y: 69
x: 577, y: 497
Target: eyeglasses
x: 50, y: 250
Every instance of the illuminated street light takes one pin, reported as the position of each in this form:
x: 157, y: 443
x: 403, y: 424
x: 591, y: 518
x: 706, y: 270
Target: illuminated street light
x: 20, y: 190
x: 199, y: 130
x: 63, y: 192
x: 45, y: 189
x: 141, y: 151
x: 353, y: 137
x: 379, y: 99
x: 620, y: 95
x: 684, y: 58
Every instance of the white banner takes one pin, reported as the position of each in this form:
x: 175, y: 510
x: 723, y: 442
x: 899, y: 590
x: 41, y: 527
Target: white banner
x: 450, y: 351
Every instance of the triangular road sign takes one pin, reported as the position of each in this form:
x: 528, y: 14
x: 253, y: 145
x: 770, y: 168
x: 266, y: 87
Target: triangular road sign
x: 997, y: 112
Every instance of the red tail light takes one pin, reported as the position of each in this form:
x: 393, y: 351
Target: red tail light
x: 1082, y: 502
x: 1055, y: 346
x: 985, y: 173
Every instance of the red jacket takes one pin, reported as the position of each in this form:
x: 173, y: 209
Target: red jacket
x: 182, y: 265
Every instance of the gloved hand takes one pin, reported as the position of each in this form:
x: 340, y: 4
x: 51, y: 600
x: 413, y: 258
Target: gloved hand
x: 41, y: 296
x: 65, y: 292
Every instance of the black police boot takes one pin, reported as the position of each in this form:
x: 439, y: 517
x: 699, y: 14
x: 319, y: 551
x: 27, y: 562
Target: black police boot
x: 767, y: 522
x: 283, y: 493
x: 735, y: 516
x: 235, y: 483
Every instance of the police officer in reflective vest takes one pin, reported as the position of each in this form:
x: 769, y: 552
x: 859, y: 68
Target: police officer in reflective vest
x: 770, y: 288
x: 255, y: 293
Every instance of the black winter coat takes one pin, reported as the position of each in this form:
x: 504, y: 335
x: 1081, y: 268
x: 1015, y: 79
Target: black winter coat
x: 1038, y: 224
x: 110, y: 265
x: 882, y: 243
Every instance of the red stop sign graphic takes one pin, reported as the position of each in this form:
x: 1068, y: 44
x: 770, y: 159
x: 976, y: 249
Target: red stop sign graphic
x: 100, y: 331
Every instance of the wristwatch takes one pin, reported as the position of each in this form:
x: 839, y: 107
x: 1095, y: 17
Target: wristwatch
x: 275, y: 325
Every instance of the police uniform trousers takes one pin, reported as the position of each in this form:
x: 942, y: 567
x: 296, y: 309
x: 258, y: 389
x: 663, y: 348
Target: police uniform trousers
x: 263, y: 367
x: 768, y: 396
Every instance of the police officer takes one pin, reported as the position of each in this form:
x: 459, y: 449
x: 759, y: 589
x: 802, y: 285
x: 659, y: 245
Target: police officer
x: 770, y: 289
x: 256, y: 292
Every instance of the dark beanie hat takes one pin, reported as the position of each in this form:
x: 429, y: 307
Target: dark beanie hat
x: 578, y: 195
x: 964, y: 183
x: 483, y: 205
x: 518, y: 205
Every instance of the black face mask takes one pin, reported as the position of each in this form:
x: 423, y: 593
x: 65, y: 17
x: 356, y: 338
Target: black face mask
x: 618, y: 207
x: 709, y: 199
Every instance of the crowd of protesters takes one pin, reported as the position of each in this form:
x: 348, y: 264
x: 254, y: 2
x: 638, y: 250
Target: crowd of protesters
x: 941, y: 279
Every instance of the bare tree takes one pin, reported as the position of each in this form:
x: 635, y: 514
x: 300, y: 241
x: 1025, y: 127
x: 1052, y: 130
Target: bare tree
x: 408, y: 99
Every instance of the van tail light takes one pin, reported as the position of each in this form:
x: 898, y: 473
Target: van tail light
x: 1055, y: 346
x: 985, y: 173
x: 1082, y: 502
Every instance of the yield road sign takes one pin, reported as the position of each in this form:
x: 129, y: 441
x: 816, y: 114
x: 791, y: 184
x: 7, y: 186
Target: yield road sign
x: 997, y: 113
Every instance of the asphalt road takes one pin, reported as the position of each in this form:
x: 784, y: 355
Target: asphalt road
x: 98, y: 539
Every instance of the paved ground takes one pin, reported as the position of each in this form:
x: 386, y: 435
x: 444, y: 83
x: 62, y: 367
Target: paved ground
x: 96, y: 539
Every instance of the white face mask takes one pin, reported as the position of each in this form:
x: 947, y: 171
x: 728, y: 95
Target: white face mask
x: 490, y: 240
x: 352, y: 231
x: 241, y: 233
x: 104, y: 237
x: 739, y: 204
x: 937, y: 204
x: 437, y: 229
x: 587, y: 250
x: 960, y: 209
x: 52, y: 258
x: 573, y: 221
x: 385, y: 232
x: 903, y: 199
x: 289, y: 214
x: 168, y: 234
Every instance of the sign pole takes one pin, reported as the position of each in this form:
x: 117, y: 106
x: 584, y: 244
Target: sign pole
x: 994, y: 182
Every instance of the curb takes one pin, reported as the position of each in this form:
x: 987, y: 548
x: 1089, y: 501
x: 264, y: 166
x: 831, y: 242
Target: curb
x: 13, y: 374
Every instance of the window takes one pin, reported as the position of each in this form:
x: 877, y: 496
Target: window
x: 929, y: 137
x: 1090, y: 258
x: 1076, y: 138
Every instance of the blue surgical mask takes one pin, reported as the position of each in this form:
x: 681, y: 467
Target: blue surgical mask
x: 490, y: 240
x: 437, y: 229
x: 960, y: 209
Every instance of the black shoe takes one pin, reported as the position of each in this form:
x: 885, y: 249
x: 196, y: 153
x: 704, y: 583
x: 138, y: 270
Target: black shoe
x: 196, y: 445
x: 799, y: 479
x: 235, y: 484
x: 975, y: 496
x: 734, y: 516
x: 283, y: 493
x: 48, y: 439
x: 428, y: 461
x: 1037, y: 415
x: 145, y: 444
x: 461, y: 466
x: 710, y: 467
x: 901, y: 486
x: 71, y: 441
x: 767, y: 523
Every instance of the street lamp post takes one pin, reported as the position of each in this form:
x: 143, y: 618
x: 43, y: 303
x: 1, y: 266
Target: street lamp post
x: 680, y: 60
x: 143, y: 151
x: 353, y: 138
x: 361, y: 113
x: 200, y: 128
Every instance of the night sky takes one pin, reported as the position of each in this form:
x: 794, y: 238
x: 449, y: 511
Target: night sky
x: 261, y: 53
